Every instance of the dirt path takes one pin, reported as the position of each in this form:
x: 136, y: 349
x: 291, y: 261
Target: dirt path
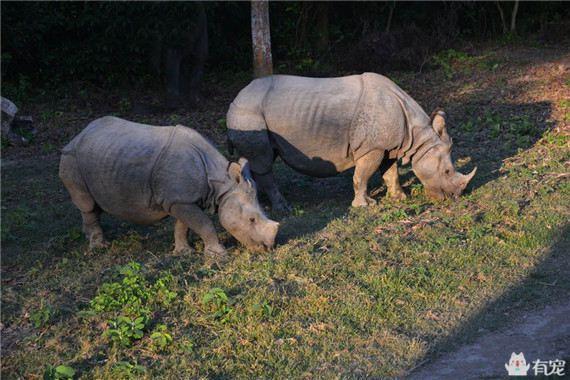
x: 543, y: 334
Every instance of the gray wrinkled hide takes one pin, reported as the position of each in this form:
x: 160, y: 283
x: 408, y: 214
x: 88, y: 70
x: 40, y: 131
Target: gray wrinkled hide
x: 137, y: 172
x: 142, y: 173
x: 321, y: 126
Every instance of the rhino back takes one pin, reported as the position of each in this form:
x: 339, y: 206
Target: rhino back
x: 310, y: 119
x: 191, y: 170
x: 115, y: 158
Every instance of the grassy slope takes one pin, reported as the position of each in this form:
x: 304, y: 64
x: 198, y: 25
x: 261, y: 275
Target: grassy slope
x: 352, y: 292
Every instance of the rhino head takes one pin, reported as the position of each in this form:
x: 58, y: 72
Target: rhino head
x: 240, y: 213
x: 433, y: 166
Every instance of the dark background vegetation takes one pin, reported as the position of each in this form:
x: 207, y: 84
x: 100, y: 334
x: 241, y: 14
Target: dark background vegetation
x: 109, y: 43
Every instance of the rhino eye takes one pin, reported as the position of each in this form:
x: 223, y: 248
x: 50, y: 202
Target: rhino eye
x: 252, y: 220
x: 447, y: 171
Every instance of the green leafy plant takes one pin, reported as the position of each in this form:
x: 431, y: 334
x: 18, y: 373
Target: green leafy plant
x: 59, y: 372
x: 126, y: 370
x: 265, y: 309
x: 124, y: 330
x: 160, y: 337
x: 41, y: 316
x: 132, y: 301
x: 446, y: 59
x: 219, y: 301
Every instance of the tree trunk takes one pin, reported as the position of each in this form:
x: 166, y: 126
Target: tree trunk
x: 514, y: 17
x: 261, y: 38
x: 503, y: 23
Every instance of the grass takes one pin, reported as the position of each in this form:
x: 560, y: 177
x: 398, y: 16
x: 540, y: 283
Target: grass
x: 348, y: 292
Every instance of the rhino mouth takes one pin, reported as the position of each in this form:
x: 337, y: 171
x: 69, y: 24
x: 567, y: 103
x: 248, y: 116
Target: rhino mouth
x: 441, y: 194
x: 450, y: 195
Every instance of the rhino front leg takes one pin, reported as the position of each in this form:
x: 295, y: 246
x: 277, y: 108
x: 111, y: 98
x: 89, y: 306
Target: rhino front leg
x: 365, y: 168
x: 195, y: 219
x: 392, y: 181
x: 266, y: 183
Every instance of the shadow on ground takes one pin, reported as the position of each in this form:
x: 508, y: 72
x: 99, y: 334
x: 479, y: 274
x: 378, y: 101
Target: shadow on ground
x: 532, y: 318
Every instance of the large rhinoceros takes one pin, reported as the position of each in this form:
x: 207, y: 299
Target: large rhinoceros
x: 323, y: 126
x: 143, y: 173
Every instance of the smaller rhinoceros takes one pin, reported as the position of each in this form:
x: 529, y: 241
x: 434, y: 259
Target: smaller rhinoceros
x: 142, y: 173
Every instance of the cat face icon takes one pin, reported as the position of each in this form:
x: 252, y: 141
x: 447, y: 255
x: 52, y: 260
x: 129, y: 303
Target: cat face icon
x: 517, y: 365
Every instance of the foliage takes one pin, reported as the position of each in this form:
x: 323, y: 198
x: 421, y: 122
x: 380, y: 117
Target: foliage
x: 160, y: 337
x: 61, y: 372
x: 123, y: 330
x: 446, y: 58
x: 133, y: 300
x: 133, y: 296
x: 57, y: 42
x: 218, y: 299
x: 126, y: 370
x: 42, y: 315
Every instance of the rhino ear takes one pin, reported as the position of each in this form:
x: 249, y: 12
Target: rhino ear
x: 234, y: 170
x: 245, y: 172
x: 438, y: 122
x: 438, y: 125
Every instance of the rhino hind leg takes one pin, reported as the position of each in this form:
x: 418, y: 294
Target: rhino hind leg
x: 181, y: 237
x: 365, y: 167
x: 92, y: 228
x: 193, y: 218
x: 90, y: 211
x: 392, y: 181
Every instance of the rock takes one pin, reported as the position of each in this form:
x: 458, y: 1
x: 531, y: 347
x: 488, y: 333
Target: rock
x: 11, y: 120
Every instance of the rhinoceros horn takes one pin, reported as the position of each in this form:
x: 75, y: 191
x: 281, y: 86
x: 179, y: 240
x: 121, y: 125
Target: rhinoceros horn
x: 466, y: 178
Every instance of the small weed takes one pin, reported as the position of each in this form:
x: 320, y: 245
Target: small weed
x: 124, y: 330
x: 4, y: 142
x: 447, y: 58
x: 175, y: 118
x: 298, y: 210
x: 49, y: 115
x: 393, y: 215
x: 48, y: 147
x: 468, y: 126
x: 160, y: 337
x: 126, y: 370
x: 264, y: 309
x: 219, y: 300
x: 60, y: 372
x: 41, y: 316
